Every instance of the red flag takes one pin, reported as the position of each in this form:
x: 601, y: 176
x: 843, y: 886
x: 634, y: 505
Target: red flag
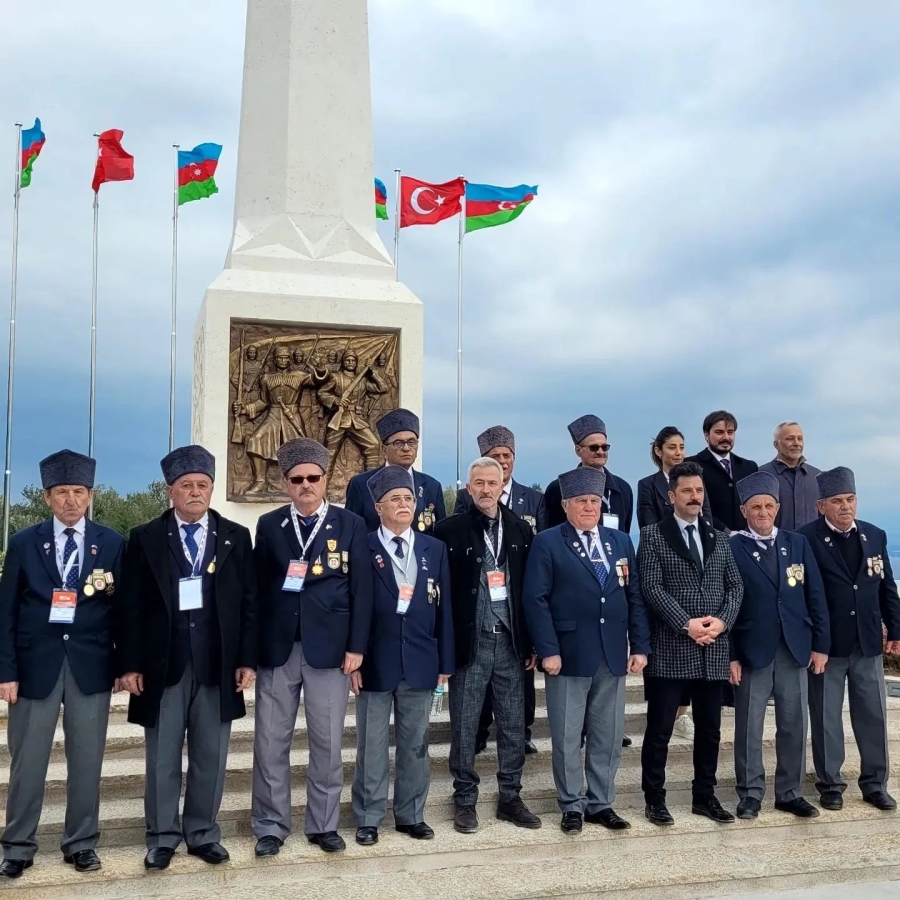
x: 113, y: 162
x: 422, y: 203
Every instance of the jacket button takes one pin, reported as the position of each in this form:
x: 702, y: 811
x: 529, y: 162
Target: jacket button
x: 405, y: 641
x: 296, y: 612
x: 474, y: 590
x: 602, y: 621
x: 478, y: 560
x: 603, y: 599
x: 65, y: 637
x: 193, y: 624
x: 855, y: 587
x: 852, y: 612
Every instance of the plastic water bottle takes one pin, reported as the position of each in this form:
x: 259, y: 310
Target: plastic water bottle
x: 437, y: 699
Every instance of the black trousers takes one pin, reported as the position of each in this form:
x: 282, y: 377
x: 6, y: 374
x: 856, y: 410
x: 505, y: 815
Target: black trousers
x: 487, y: 711
x: 664, y: 696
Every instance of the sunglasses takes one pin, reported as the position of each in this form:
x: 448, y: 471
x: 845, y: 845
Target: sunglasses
x: 596, y: 448
x: 412, y: 443
x: 299, y: 479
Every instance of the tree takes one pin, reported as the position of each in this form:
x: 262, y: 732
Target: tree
x: 449, y: 499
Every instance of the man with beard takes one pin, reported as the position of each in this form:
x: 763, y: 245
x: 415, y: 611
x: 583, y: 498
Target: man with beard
x: 796, y: 479
x: 722, y: 470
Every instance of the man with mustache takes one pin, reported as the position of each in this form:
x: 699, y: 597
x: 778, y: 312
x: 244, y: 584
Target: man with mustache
x: 592, y: 448
x: 187, y: 645
x: 487, y: 548
x: 315, y: 612
x: 56, y: 650
x: 722, y: 470
x: 861, y: 594
x: 796, y: 478
x: 692, y: 585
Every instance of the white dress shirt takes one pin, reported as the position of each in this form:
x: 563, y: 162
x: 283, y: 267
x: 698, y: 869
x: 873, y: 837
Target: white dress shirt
x: 682, y: 525
x: 60, y: 540
x: 199, y: 535
x: 838, y: 530
x: 595, y: 539
x: 763, y: 541
x: 506, y: 496
x: 401, y: 566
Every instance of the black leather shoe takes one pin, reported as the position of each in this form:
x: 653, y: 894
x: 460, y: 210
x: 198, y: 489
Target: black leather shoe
x: 608, y: 818
x: 626, y: 741
x: 748, y: 808
x: 83, y: 860
x: 210, y: 853
x: 158, y: 858
x: 571, y: 823
x: 268, y: 845
x: 530, y: 749
x: 465, y: 821
x: 366, y: 835
x: 712, y: 809
x: 518, y: 813
x: 658, y: 814
x: 329, y: 841
x: 13, y: 868
x: 881, y: 800
x: 831, y: 800
x: 799, y: 807
x: 420, y: 831
x: 480, y: 745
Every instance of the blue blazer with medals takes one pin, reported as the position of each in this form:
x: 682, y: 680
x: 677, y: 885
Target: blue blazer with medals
x: 335, y: 605
x: 32, y: 648
x: 429, y: 501
x: 771, y: 609
x: 568, y: 613
x: 418, y: 646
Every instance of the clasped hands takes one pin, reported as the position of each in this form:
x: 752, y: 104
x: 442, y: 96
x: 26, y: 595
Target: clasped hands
x: 133, y: 682
x: 705, y: 630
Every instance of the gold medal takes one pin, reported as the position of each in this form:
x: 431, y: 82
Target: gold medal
x: 317, y: 567
x: 332, y: 545
x: 211, y: 567
x: 88, y: 590
x: 621, y: 581
x: 421, y: 525
x: 792, y: 582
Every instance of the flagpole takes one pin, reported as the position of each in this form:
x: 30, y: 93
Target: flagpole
x: 12, y: 336
x: 396, y: 224
x: 174, y: 306
x: 92, y: 405
x: 459, y: 350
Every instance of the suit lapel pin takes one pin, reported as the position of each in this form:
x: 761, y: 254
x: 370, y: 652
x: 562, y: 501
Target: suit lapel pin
x: 379, y: 560
x: 328, y: 528
x: 784, y: 551
x: 424, y: 565
x: 93, y: 549
x: 421, y: 490
x: 862, y: 536
x: 284, y: 522
x: 608, y: 548
x: 227, y: 543
x: 46, y: 546
x: 756, y: 555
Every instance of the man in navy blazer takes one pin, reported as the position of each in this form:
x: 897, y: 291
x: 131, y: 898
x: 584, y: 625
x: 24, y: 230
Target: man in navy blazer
x: 410, y: 653
x: 57, y: 613
x: 399, y: 433
x: 314, y: 580
x: 587, y: 618
x: 782, y: 630
x: 861, y: 594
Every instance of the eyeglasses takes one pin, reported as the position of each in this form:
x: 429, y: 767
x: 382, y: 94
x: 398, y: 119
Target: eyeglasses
x: 596, y: 448
x: 412, y: 443
x: 299, y: 479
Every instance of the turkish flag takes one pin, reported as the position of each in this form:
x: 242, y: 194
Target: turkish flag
x: 113, y: 162
x: 422, y: 203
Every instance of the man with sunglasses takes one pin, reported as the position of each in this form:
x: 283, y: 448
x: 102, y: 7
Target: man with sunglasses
x: 592, y: 448
x: 314, y: 575
x: 399, y: 433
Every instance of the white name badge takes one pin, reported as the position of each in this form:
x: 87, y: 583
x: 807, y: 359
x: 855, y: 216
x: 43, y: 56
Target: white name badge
x: 190, y: 593
x: 296, y: 575
x: 404, y: 597
x: 497, y: 585
x: 610, y: 521
x: 62, y: 607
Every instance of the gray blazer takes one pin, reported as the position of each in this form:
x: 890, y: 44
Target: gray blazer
x: 797, y: 494
x: 675, y: 591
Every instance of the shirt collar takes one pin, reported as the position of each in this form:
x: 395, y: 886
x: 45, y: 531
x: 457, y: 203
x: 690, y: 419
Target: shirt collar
x: 203, y: 521
x: 317, y: 513
x: 759, y: 538
x: 387, y: 537
x: 507, y: 492
x: 682, y: 524
x: 837, y: 530
x: 59, y: 528
x: 720, y: 456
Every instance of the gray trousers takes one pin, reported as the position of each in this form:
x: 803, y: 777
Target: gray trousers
x: 30, y: 731
x: 787, y: 682
x: 595, y: 706
x: 494, y: 662
x: 193, y: 710
x: 325, y: 695
x: 864, y: 676
x: 413, y: 768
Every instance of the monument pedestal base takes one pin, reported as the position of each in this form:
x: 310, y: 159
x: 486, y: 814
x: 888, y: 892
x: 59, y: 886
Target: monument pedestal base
x: 307, y: 315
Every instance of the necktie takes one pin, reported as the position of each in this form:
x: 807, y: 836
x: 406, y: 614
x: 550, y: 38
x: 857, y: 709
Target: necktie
x: 307, y: 523
x: 490, y: 526
x: 692, y: 546
x: 726, y: 465
x: 768, y: 543
x: 189, y: 543
x: 399, y: 551
x: 847, y: 534
x: 596, y: 560
x: 70, y: 548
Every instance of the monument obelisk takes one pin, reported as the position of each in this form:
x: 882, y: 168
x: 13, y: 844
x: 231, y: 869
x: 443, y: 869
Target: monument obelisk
x: 307, y: 311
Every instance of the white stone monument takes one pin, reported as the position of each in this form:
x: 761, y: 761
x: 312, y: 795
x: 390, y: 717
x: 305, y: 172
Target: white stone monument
x: 305, y: 249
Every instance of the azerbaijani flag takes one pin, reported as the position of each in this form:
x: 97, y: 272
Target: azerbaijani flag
x: 380, y: 200
x: 32, y: 143
x: 488, y: 205
x: 195, y: 172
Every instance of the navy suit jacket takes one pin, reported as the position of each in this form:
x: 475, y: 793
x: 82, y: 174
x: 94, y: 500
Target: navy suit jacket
x: 770, y: 609
x: 418, y: 646
x: 32, y: 648
x: 429, y: 494
x: 334, y: 608
x: 569, y: 615
x: 721, y: 490
x: 618, y: 500
x: 858, y: 602
x: 523, y: 501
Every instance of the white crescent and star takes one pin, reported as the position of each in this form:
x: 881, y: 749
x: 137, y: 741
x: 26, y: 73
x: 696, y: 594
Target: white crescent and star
x: 507, y: 204
x: 414, y: 200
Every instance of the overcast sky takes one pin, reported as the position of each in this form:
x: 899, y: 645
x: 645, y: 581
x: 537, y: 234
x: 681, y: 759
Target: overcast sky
x: 718, y: 221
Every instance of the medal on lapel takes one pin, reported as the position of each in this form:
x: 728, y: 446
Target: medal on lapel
x: 334, y: 560
x: 345, y: 560
x: 98, y: 579
x: 332, y: 544
x: 88, y: 589
x: 211, y: 568
x: 317, y: 567
x: 431, y: 590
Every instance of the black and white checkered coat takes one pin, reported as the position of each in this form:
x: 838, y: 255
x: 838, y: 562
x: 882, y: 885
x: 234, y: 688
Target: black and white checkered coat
x: 675, y: 591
